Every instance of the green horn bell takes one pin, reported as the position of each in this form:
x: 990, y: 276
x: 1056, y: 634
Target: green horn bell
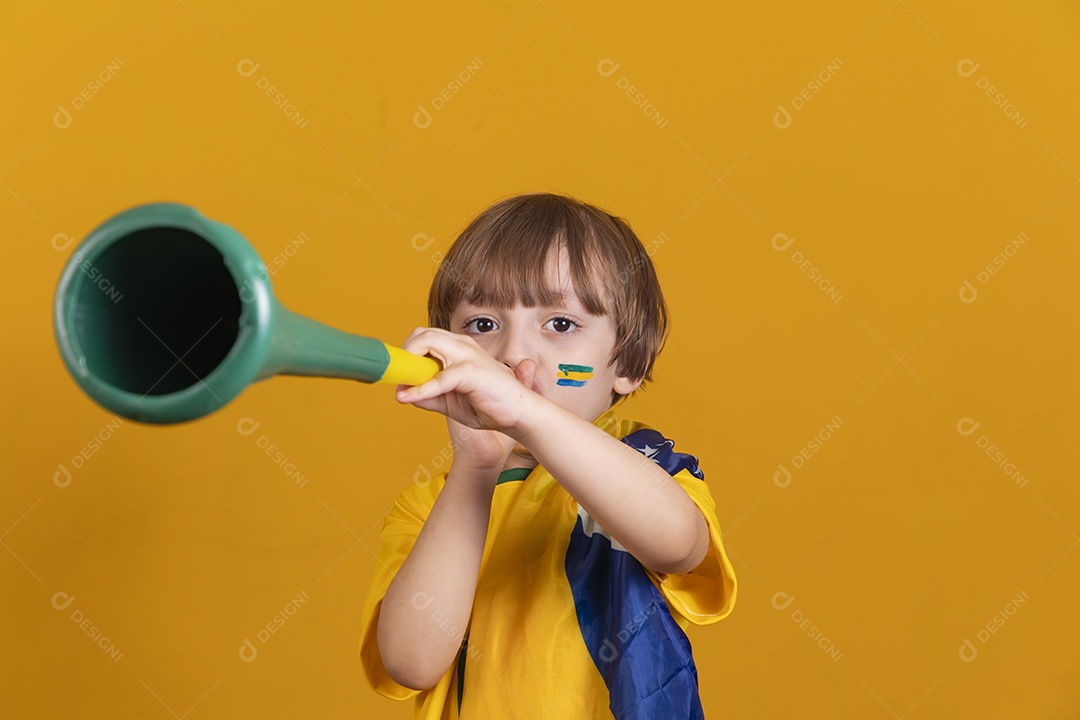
x: 163, y: 315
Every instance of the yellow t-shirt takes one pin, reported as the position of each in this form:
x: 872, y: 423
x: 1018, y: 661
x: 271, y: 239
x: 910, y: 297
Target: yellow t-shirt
x: 565, y: 623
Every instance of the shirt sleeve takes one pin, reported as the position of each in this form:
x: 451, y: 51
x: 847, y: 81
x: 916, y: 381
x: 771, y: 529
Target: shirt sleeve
x: 706, y: 594
x: 401, y: 527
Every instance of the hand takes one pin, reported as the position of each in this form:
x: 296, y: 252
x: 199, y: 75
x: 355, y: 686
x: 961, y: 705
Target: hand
x: 473, y: 389
x: 480, y: 452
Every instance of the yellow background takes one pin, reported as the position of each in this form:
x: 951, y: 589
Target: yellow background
x: 899, y: 539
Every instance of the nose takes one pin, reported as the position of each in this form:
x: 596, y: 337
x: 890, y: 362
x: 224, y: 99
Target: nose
x: 513, y: 347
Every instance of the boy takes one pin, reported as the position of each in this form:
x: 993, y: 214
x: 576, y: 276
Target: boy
x: 551, y: 572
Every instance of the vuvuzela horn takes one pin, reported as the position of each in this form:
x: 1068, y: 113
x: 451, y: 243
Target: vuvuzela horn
x: 163, y: 315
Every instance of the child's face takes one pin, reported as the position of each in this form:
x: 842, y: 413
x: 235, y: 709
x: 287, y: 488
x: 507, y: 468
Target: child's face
x: 572, y: 348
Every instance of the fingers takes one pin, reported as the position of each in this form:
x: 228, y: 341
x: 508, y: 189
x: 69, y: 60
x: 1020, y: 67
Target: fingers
x: 437, y: 405
x: 454, y: 378
x: 441, y: 345
x: 416, y: 331
x: 445, y: 346
x: 418, y: 343
x: 432, y: 388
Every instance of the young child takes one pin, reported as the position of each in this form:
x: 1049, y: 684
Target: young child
x: 552, y: 572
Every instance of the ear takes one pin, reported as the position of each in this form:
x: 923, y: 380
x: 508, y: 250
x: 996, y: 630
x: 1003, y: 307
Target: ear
x: 625, y: 386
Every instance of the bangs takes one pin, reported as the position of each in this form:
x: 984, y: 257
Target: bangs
x: 506, y: 261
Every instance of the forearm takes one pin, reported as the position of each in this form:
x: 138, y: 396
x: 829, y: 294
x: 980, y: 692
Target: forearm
x: 427, y: 606
x: 629, y: 495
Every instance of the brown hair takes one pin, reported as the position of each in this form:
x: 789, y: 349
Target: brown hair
x: 500, y: 259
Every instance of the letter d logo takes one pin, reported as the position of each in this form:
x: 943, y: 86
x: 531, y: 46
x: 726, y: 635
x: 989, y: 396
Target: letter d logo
x: 782, y: 600
x: 62, y: 118
x: 247, y: 68
x: 782, y: 477
x: 968, y: 293
x: 783, y: 238
x: 607, y: 67
x: 422, y: 118
x: 61, y: 241
x: 247, y: 292
x: 968, y: 651
x: 782, y: 118
x: 61, y: 600
x: 421, y: 242
x: 248, y: 651
x: 64, y: 473
x: 608, y: 652
x: 967, y: 68
x: 246, y: 426
x: 966, y: 426
x: 426, y: 480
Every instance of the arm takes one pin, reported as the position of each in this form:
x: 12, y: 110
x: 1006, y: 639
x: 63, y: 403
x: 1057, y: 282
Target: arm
x: 428, y: 604
x: 628, y: 494
x: 426, y: 608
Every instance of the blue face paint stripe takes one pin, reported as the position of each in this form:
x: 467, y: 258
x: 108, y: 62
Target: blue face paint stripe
x: 574, y: 375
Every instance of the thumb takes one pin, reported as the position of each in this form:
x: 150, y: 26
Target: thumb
x: 525, y: 372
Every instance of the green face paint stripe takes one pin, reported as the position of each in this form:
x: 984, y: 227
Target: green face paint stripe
x: 567, y: 369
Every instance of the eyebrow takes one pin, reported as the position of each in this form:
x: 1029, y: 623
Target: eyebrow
x: 561, y: 301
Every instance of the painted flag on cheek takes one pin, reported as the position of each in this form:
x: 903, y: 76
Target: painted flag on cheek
x: 574, y: 375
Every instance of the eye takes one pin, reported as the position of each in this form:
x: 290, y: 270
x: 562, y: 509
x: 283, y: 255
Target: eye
x: 561, y: 324
x: 480, y: 325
